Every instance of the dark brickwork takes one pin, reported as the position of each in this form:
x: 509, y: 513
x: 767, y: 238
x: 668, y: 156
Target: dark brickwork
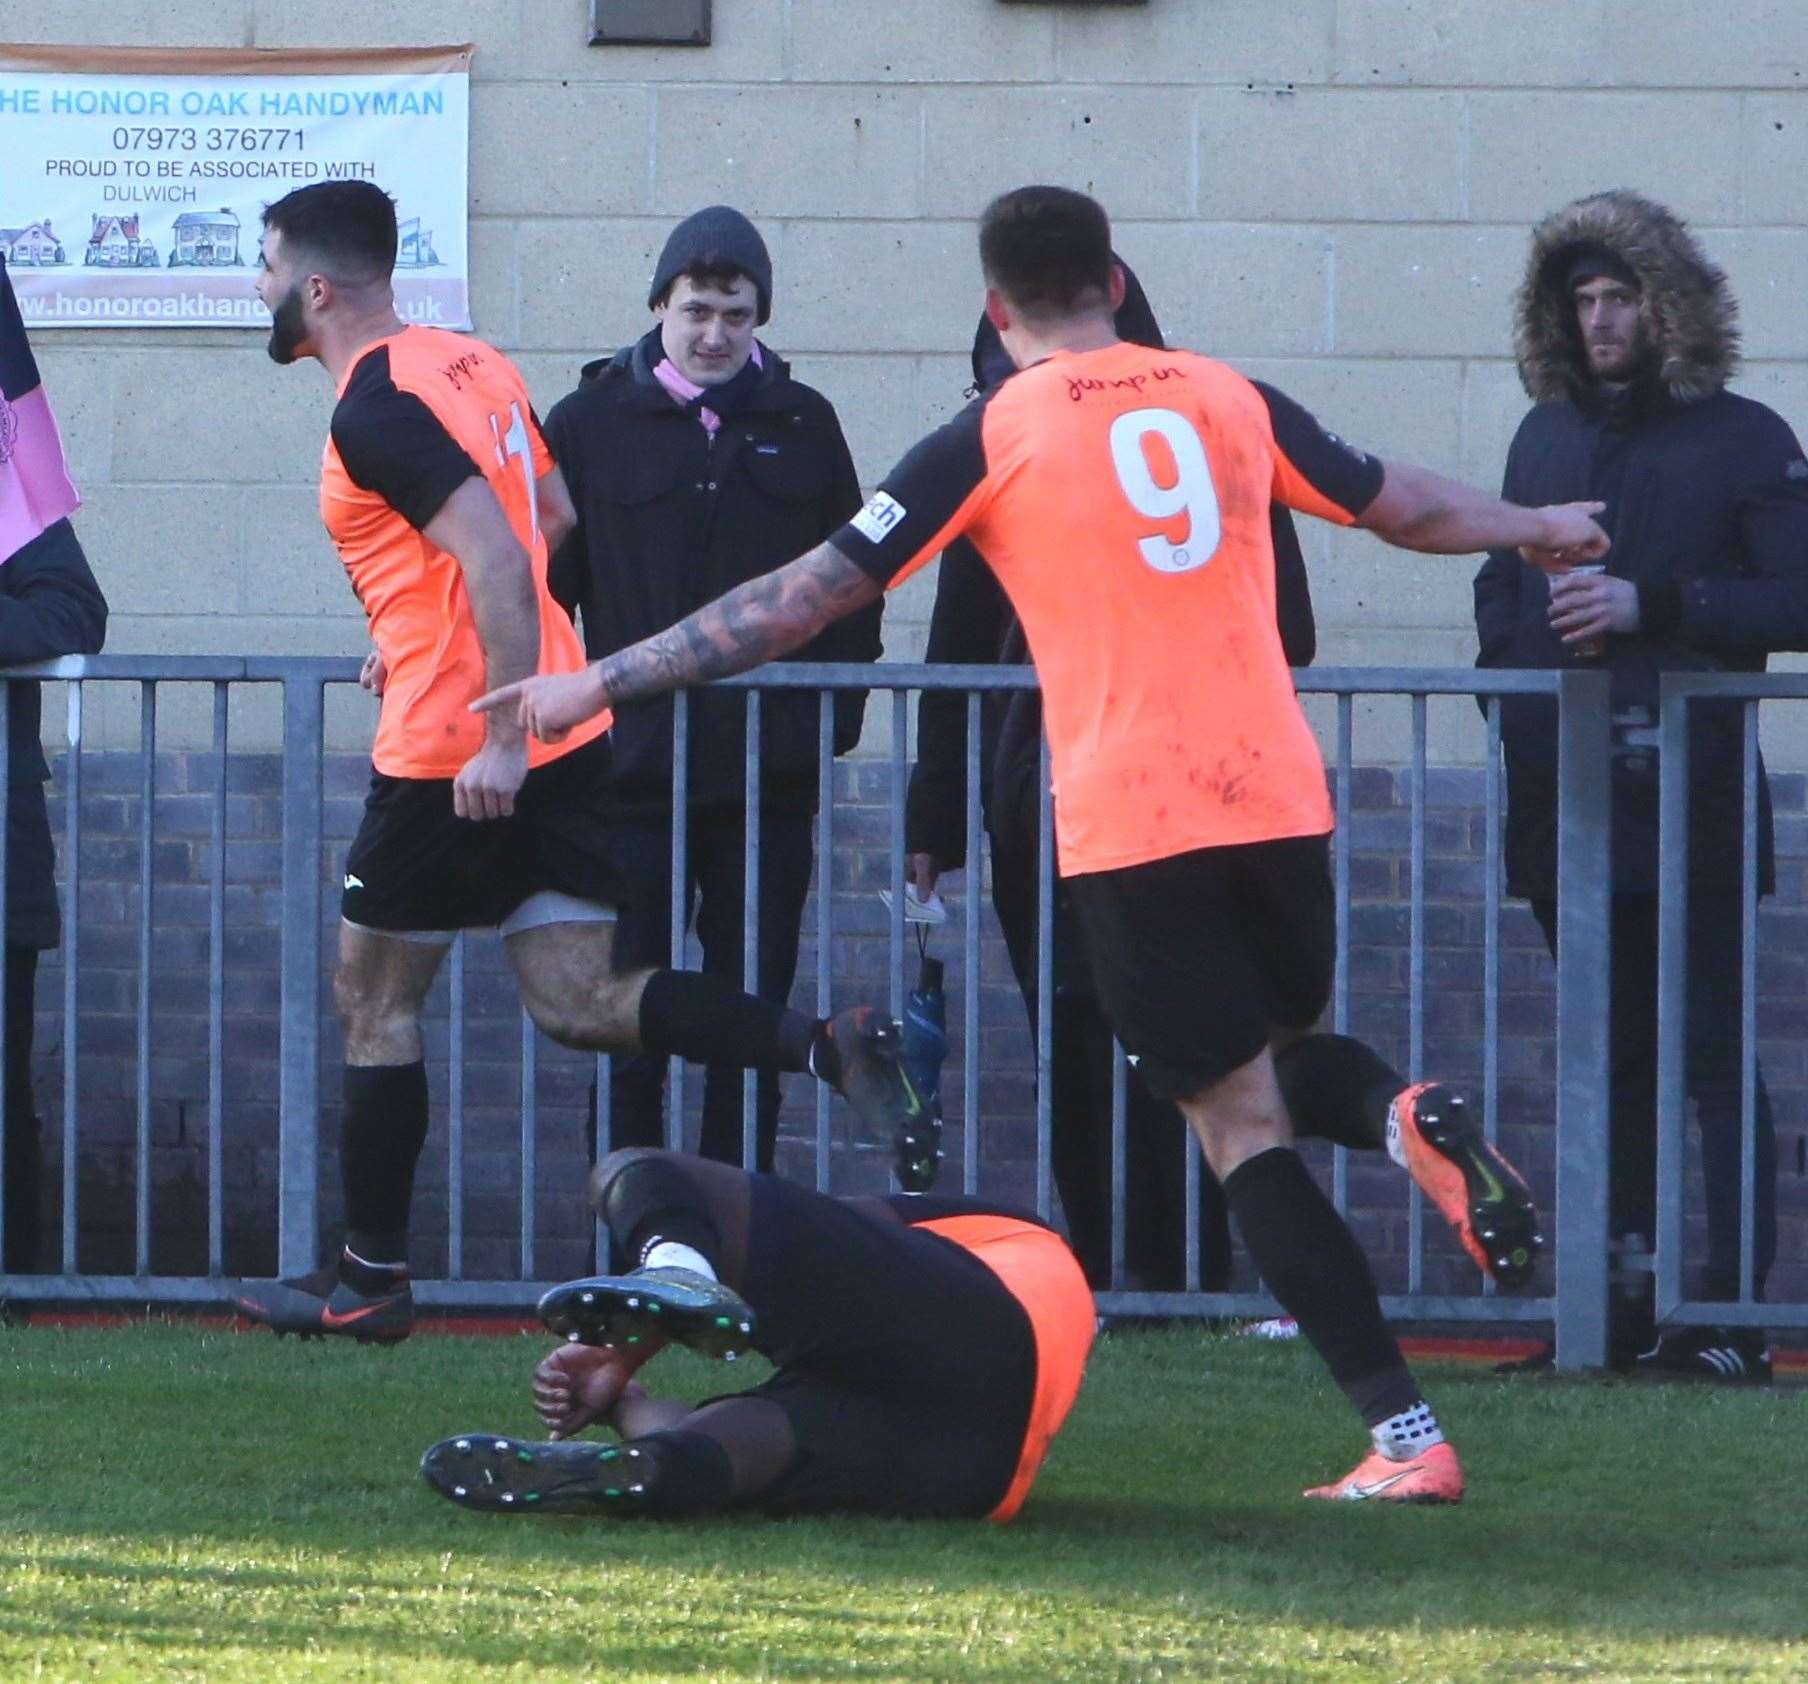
x: 107, y: 1109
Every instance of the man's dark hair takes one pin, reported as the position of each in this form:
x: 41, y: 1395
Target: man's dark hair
x: 1047, y: 249
x: 347, y: 227
x: 708, y: 269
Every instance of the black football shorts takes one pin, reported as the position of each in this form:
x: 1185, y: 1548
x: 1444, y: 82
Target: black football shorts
x: 1200, y: 957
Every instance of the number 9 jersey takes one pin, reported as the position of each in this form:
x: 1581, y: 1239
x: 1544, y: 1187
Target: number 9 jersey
x: 1122, y: 498
x: 419, y: 413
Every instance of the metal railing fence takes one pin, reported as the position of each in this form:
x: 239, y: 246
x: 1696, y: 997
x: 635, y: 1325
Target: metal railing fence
x: 1679, y: 692
x: 1575, y: 1301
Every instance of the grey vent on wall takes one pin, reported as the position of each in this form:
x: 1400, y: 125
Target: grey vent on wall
x: 665, y: 23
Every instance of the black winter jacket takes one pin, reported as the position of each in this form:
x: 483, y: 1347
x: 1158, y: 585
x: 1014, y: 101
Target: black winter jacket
x: 1707, y: 506
x: 669, y: 519
x: 973, y: 622
x: 50, y: 605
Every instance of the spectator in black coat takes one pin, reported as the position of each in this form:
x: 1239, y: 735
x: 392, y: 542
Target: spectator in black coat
x: 972, y: 622
x: 696, y: 462
x: 1626, y: 338
x: 50, y: 605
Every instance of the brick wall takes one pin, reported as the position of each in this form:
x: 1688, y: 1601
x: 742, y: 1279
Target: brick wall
x: 107, y: 1051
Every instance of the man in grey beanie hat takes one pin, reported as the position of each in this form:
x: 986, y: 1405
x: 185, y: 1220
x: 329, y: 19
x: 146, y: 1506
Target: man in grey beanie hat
x: 696, y: 463
x: 717, y: 238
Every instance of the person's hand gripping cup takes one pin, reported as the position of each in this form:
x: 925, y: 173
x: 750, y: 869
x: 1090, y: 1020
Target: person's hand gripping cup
x: 1564, y: 596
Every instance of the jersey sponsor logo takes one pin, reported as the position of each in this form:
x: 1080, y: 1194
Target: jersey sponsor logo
x: 1078, y: 388
x: 458, y: 371
x: 878, y: 518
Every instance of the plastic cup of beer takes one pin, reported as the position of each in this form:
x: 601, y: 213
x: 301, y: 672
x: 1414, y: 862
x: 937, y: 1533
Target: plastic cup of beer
x: 1594, y: 647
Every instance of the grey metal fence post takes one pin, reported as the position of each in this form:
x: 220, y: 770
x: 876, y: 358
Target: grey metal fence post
x: 1584, y: 906
x: 1672, y: 960
x: 825, y: 910
x: 298, y: 1193
x: 681, y: 837
x: 750, y: 921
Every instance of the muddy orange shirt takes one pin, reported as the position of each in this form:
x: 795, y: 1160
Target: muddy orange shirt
x: 1039, y: 1271
x: 1122, y: 498
x: 419, y: 413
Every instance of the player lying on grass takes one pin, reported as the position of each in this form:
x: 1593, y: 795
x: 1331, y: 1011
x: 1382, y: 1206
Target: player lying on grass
x: 927, y: 1349
x: 1121, y: 496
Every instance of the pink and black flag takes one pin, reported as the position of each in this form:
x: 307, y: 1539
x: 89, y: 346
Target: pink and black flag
x: 35, y: 488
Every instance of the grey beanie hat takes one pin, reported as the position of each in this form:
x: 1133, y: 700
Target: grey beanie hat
x: 721, y: 234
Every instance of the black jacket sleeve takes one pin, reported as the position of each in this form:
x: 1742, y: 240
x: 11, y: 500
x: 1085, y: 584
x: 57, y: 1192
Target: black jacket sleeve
x: 50, y: 604
x: 966, y: 626
x: 566, y: 572
x: 1292, y: 590
x: 1768, y: 608
x: 1497, y: 586
x: 856, y: 638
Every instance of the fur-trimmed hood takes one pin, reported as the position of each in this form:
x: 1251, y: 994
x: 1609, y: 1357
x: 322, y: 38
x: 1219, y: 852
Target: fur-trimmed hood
x: 1689, y: 309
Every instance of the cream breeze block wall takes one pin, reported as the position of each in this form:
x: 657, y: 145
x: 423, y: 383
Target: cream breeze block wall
x: 1332, y: 194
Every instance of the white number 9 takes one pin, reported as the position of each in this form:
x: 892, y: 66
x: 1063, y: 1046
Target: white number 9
x: 1192, y: 493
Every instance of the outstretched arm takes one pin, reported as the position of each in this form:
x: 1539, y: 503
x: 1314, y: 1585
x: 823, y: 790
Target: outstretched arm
x: 756, y: 622
x: 1419, y: 510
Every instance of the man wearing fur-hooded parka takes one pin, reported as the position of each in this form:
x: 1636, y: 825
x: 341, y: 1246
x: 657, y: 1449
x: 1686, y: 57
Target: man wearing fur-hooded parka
x: 1626, y: 335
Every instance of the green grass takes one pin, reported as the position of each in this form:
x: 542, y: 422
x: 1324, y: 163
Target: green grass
x: 177, y: 1503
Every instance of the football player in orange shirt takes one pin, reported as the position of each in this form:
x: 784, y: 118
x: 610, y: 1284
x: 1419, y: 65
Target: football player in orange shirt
x: 1121, y: 495
x: 441, y: 499
x: 927, y: 1349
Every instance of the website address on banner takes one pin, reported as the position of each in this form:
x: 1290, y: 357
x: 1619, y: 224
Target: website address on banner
x: 182, y: 307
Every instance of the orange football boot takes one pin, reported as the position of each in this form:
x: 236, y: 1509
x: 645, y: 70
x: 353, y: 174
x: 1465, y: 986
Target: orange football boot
x: 1433, y: 1476
x: 1482, y: 1196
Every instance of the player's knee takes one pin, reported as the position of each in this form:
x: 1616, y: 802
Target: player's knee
x: 612, y: 1165
x: 372, y: 1015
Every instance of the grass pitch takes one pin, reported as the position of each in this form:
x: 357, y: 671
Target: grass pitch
x: 184, y: 1504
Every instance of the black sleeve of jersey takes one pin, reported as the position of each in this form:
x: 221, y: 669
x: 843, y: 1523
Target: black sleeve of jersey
x: 912, y: 511
x: 393, y: 444
x: 1292, y: 590
x: 1336, y: 470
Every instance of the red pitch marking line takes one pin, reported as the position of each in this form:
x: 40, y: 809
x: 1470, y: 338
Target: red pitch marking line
x: 1784, y: 1359
x: 457, y: 1326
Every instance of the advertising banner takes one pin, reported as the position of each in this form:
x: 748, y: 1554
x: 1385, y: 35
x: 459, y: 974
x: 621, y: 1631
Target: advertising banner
x: 133, y: 180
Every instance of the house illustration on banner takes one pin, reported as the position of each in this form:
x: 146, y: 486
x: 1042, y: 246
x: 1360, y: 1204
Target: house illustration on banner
x: 35, y: 246
x: 414, y: 246
x: 116, y: 244
x: 206, y: 240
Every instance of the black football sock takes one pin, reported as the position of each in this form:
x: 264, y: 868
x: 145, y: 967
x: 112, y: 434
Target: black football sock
x: 825, y: 1059
x: 385, y: 1127
x: 689, y: 1474
x: 1311, y: 1262
x: 1338, y: 1089
x: 701, y: 1019
x: 649, y: 1201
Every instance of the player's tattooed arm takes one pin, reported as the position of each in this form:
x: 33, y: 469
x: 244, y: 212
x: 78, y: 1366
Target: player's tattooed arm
x: 756, y: 622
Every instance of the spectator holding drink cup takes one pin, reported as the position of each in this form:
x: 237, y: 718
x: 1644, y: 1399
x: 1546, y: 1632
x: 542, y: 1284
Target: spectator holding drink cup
x: 1626, y: 337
